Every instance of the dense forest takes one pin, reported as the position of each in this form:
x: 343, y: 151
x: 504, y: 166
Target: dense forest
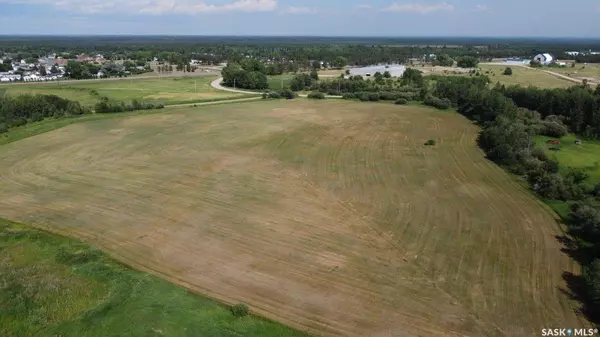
x: 301, y: 50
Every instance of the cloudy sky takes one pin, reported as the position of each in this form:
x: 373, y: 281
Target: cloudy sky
x: 576, y: 18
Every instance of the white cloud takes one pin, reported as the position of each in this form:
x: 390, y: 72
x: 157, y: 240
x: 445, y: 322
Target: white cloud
x: 155, y: 7
x: 299, y: 10
x: 482, y: 8
x: 418, y: 7
x: 364, y: 6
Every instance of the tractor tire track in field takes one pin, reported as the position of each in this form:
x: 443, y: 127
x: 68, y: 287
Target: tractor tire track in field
x: 332, y: 217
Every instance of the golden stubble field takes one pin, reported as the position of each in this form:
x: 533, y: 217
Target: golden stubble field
x: 328, y: 216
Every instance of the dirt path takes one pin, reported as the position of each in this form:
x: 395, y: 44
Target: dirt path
x: 235, y: 100
x: 217, y: 85
x: 564, y: 77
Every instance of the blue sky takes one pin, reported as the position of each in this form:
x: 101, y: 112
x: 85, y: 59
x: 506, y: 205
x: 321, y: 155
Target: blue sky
x: 549, y: 18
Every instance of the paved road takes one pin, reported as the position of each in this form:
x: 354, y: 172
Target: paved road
x: 217, y: 85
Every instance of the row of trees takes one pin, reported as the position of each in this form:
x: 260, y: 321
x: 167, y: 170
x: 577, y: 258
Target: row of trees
x: 17, y: 110
x: 579, y: 106
x: 411, y: 81
x: 106, y: 105
x: 463, y: 61
x: 510, y: 120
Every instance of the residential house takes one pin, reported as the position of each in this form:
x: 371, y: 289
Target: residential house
x: 60, y: 62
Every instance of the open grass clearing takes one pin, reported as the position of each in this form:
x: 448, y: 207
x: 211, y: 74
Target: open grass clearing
x: 278, y: 82
x: 166, y: 90
x: 521, y: 76
x: 56, y: 286
x: 590, y: 72
x: 585, y: 156
x: 329, y: 216
x: 524, y: 77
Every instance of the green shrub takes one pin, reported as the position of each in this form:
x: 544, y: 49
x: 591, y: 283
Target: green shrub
x: 65, y: 256
x: 508, y: 71
x: 409, y: 96
x: 539, y: 154
x: 274, y: 94
x: 3, y: 128
x: 287, y: 94
x: 239, y: 310
x: 389, y: 96
x: 430, y: 142
x: 436, y: 102
x: 316, y: 95
x: 348, y: 95
x: 401, y: 101
x: 364, y: 97
x: 373, y: 97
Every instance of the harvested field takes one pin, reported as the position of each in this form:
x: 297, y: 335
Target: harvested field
x: 328, y: 216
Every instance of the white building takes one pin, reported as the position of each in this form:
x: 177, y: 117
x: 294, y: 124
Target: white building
x: 544, y: 58
x: 9, y: 77
x: 572, y: 53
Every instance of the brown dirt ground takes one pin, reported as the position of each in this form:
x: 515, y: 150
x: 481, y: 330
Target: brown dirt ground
x: 329, y: 216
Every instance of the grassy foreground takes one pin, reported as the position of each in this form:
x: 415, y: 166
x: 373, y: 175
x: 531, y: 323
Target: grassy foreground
x: 56, y: 286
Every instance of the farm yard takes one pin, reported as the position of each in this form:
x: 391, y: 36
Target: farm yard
x: 524, y: 77
x: 521, y: 75
x: 590, y: 72
x: 167, y: 90
x: 331, y: 217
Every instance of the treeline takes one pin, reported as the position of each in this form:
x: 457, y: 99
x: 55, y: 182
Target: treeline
x: 578, y: 106
x: 248, y: 74
x: 106, y: 105
x: 445, y: 60
x: 17, y: 110
x: 411, y: 81
x: 510, y: 121
x: 358, y: 51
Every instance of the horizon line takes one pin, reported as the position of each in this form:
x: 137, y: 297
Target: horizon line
x: 304, y: 36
